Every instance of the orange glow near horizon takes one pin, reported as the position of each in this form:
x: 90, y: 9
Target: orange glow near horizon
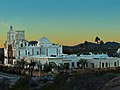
x: 65, y: 40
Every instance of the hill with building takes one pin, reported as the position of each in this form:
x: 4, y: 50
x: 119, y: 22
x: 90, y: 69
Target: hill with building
x: 109, y: 47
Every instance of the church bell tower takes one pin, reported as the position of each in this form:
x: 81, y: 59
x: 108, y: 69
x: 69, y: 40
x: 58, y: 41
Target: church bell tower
x: 10, y: 40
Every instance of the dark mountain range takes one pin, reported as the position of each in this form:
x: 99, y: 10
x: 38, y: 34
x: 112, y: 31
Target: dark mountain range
x: 109, y: 47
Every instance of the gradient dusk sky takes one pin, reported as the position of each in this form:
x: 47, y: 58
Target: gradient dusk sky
x: 67, y: 22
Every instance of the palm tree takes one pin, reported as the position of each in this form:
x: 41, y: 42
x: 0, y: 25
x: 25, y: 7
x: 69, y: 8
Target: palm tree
x: 83, y: 62
x: 97, y: 39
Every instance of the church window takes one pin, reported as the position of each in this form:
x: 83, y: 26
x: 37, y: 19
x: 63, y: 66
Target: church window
x: 21, y: 45
x: 78, y: 64
x: 102, y: 64
x: 106, y: 64
x: 25, y: 43
x: 86, y: 64
x: 37, y: 52
x: 93, y: 65
x: 28, y: 53
x: 72, y: 64
x: 115, y: 64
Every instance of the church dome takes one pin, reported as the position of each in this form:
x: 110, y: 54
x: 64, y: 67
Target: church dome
x: 44, y: 40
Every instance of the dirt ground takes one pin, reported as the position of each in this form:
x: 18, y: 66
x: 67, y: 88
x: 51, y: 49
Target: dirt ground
x: 114, y: 84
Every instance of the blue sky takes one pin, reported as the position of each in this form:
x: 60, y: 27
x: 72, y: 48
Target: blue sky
x: 66, y: 22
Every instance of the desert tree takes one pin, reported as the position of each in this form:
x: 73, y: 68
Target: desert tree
x: 97, y: 39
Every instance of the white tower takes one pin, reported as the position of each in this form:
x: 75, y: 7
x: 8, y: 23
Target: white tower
x: 11, y: 36
x: 8, y: 46
x: 14, y: 38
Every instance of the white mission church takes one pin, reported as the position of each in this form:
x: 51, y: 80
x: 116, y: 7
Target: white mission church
x: 17, y: 48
